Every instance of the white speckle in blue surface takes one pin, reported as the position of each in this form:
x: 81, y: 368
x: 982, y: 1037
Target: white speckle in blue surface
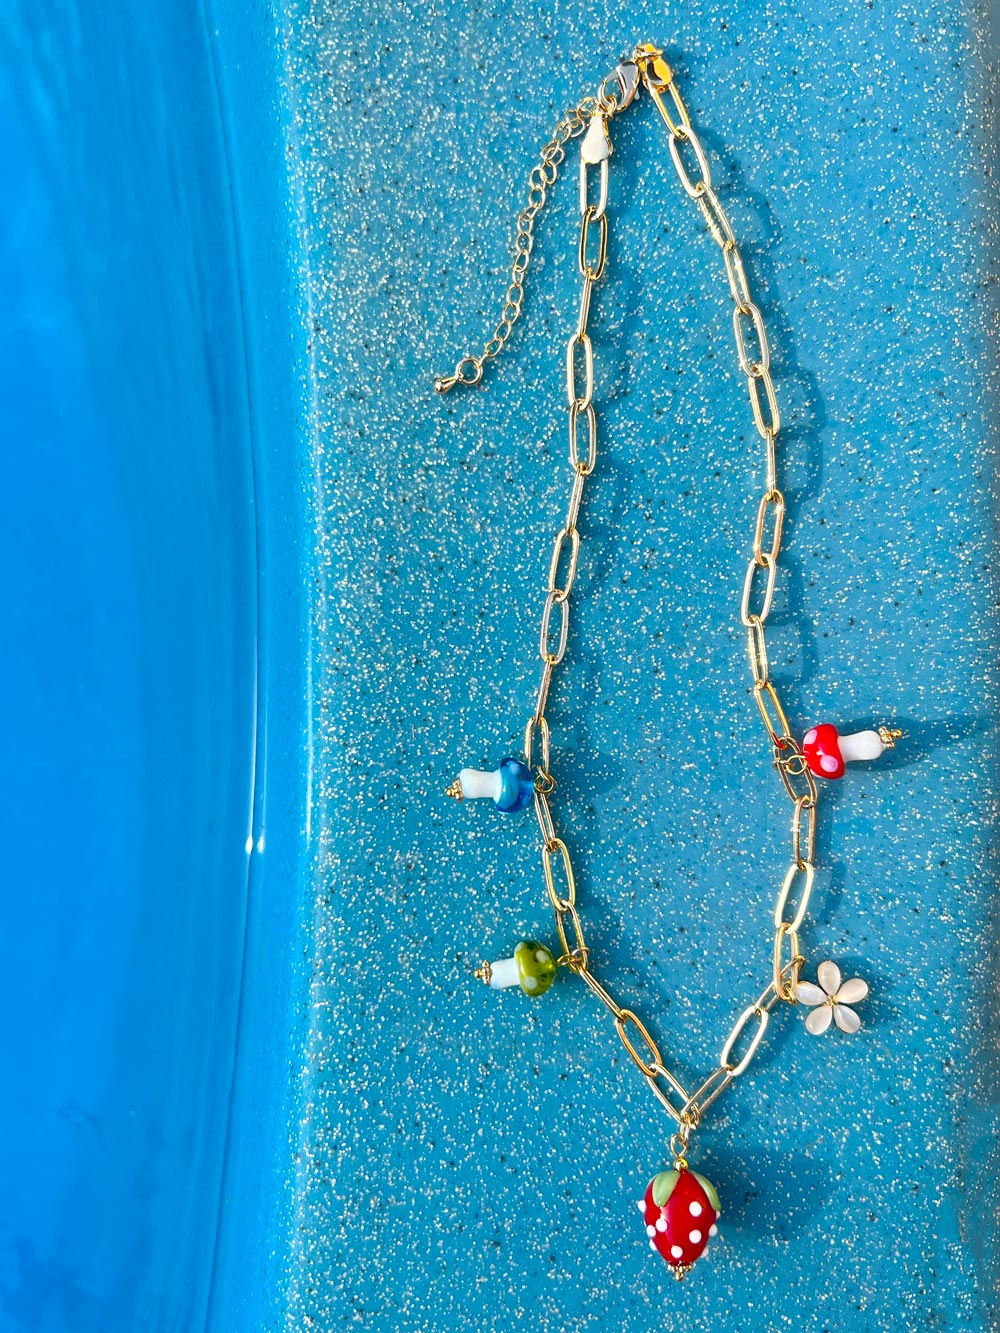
x: 466, y: 1158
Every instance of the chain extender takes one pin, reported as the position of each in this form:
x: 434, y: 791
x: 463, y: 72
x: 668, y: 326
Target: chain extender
x: 753, y: 353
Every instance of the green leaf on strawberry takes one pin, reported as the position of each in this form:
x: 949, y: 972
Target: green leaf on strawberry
x: 663, y: 1186
x: 710, y: 1190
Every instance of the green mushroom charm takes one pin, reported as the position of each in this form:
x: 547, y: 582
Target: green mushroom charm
x: 533, y: 968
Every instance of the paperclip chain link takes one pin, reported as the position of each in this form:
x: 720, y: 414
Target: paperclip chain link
x: 753, y: 355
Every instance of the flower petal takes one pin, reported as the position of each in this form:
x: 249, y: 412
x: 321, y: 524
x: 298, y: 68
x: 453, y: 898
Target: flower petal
x: 819, y: 1020
x: 846, y: 1019
x: 828, y: 976
x: 807, y: 993
x: 853, y: 991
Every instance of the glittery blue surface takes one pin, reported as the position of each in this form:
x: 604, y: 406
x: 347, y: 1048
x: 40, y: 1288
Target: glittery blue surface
x: 470, y: 1160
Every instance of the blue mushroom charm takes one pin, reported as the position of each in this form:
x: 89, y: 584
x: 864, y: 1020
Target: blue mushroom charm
x: 511, y: 786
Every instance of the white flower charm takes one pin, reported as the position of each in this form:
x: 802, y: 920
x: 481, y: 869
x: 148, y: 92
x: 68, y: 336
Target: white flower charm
x: 831, y: 998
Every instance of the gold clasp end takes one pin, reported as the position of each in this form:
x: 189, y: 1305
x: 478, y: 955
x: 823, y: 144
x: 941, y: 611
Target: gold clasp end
x: 659, y: 80
x: 654, y: 69
x: 443, y: 383
x: 596, y: 146
x: 889, y: 736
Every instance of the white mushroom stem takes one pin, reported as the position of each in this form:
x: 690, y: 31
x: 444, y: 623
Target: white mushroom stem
x: 862, y: 745
x: 504, y: 973
x: 474, y: 783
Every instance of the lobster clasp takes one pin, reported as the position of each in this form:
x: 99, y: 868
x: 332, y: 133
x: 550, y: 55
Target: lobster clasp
x: 619, y: 88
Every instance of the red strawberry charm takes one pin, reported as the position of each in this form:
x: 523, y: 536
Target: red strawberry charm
x: 680, y: 1210
x: 826, y: 751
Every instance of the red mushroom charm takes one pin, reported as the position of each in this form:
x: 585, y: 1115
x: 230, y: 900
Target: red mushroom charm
x: 680, y: 1210
x: 826, y: 751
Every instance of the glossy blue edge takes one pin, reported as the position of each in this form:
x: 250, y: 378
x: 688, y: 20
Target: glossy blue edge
x: 256, y: 1213
x: 156, y: 529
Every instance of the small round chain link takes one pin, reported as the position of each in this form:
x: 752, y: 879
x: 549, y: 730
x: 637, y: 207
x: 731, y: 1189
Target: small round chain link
x: 540, y: 180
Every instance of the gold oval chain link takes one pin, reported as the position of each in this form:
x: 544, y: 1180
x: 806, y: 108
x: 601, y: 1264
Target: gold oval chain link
x: 753, y: 354
x: 757, y: 596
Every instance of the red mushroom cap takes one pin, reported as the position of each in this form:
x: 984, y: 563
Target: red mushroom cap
x: 821, y: 748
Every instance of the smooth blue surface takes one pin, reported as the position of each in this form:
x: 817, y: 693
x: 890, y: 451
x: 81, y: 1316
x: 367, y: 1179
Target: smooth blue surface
x: 151, y: 388
x: 470, y: 1160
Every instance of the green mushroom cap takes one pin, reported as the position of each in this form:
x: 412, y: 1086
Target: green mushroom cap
x: 536, y: 967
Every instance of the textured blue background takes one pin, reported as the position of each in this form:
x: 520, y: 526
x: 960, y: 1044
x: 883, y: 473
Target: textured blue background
x: 471, y: 1160
x: 267, y: 593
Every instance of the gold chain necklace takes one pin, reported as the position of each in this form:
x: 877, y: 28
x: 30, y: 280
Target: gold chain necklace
x: 680, y: 1208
